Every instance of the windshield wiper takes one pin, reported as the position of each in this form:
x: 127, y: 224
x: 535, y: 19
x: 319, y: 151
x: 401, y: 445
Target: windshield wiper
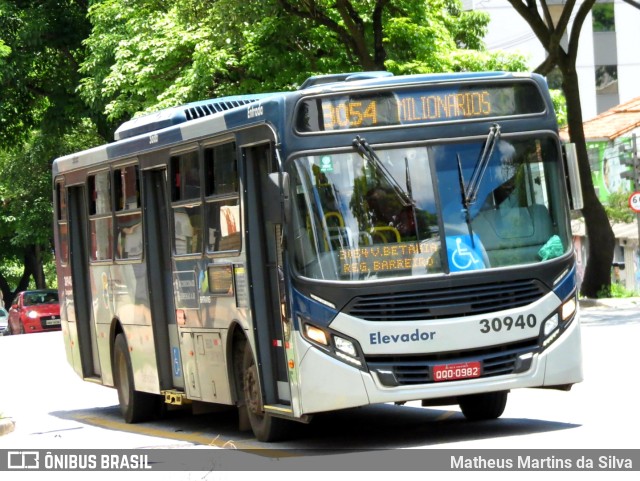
x: 366, y: 151
x: 469, y: 192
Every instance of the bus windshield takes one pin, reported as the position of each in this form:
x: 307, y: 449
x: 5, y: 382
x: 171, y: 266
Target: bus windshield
x: 398, y: 212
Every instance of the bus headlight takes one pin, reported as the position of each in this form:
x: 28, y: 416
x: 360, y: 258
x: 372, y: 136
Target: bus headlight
x: 315, y: 334
x: 550, y: 331
x: 550, y: 325
x: 568, y: 308
x: 557, y: 323
x: 334, y: 344
x: 345, y: 346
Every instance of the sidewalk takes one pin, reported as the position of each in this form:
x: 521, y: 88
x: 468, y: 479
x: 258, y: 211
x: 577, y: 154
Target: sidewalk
x: 610, y: 302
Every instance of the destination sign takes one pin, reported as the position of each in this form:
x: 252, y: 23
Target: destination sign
x: 412, y: 106
x: 386, y: 258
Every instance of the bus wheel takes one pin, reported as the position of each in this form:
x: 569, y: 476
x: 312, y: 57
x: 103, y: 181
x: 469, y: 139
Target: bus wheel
x: 480, y: 407
x: 265, y: 427
x: 135, y: 406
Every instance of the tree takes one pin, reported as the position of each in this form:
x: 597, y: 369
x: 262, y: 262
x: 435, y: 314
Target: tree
x: 40, y: 52
x: 597, y: 277
x: 144, y: 56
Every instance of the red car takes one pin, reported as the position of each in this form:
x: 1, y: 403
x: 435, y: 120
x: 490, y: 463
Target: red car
x: 35, y: 311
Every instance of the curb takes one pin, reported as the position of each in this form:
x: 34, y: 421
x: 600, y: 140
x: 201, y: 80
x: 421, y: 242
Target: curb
x: 6, y: 426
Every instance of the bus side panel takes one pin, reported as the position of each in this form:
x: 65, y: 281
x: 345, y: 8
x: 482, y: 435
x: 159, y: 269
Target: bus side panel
x: 67, y: 318
x: 120, y: 293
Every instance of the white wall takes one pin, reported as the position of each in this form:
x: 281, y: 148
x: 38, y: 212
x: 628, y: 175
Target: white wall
x: 628, y: 38
x: 507, y: 31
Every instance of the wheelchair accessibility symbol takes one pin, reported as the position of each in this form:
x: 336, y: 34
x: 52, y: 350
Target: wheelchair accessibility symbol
x: 462, y: 256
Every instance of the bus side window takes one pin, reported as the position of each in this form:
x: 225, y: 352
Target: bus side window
x: 187, y: 229
x: 100, y: 216
x: 222, y: 204
x: 185, y: 175
x: 185, y: 186
x: 128, y: 215
x: 61, y: 219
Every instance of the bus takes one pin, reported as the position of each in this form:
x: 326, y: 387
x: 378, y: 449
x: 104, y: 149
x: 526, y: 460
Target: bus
x: 365, y: 239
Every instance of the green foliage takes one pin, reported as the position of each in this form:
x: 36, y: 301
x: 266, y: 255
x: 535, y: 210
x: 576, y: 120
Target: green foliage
x: 617, y: 208
x: 72, y: 71
x: 560, y: 106
x: 40, y: 48
x: 144, y: 56
x: 618, y: 290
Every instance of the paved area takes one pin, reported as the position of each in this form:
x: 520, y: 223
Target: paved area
x: 613, y: 302
x: 7, y: 425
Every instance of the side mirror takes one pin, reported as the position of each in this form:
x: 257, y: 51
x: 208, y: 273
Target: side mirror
x: 574, y: 185
x: 277, y: 197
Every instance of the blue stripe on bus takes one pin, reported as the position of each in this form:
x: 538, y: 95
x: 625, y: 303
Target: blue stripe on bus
x: 312, y: 310
x: 566, y: 286
x: 142, y: 143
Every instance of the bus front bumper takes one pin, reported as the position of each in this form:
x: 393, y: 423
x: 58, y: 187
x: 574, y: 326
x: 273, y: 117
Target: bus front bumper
x: 328, y: 384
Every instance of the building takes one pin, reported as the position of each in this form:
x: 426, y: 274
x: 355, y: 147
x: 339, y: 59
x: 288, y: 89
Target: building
x: 608, y: 137
x: 608, y: 63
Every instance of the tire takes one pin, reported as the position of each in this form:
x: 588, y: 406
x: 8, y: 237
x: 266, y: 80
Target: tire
x: 485, y: 406
x: 265, y: 427
x: 135, y: 406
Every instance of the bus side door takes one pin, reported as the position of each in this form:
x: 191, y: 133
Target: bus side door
x: 263, y: 226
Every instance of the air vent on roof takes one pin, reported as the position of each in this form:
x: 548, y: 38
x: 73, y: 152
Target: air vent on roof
x: 177, y: 115
x: 215, y: 106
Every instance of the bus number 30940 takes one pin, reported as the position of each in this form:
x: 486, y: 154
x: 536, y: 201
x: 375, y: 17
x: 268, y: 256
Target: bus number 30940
x: 497, y: 324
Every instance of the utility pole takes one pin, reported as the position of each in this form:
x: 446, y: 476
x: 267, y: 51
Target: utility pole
x: 634, y: 176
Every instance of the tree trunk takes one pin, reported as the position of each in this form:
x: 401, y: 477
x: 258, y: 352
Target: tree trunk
x: 597, y: 275
x: 33, y: 265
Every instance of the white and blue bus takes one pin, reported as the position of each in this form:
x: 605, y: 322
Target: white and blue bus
x: 365, y: 239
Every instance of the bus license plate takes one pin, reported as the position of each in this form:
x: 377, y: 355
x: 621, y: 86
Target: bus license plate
x: 453, y: 372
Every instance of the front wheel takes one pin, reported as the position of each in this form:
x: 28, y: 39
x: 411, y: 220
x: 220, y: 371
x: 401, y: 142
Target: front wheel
x: 135, y: 406
x: 265, y: 427
x: 481, y: 407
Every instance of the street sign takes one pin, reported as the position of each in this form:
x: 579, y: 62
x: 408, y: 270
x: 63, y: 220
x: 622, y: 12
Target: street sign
x: 634, y: 202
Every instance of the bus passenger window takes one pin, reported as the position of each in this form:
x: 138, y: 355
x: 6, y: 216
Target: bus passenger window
x: 100, y: 220
x: 129, y: 236
x: 99, y: 194
x: 61, y: 219
x: 185, y: 175
x: 128, y: 216
x: 223, y: 207
x: 187, y: 229
x: 223, y: 226
x: 221, y: 169
x: 127, y: 188
x: 101, y: 235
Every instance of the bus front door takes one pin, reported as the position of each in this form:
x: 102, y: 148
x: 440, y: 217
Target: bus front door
x: 88, y: 364
x: 158, y: 258
x: 264, y: 252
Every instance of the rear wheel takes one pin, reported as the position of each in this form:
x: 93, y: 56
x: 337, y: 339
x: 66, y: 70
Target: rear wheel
x: 480, y: 407
x: 266, y: 427
x: 135, y: 406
